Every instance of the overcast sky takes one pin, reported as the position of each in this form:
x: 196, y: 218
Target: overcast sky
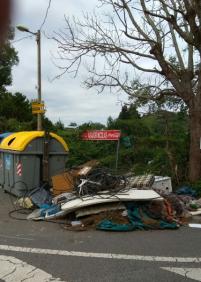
x: 65, y: 98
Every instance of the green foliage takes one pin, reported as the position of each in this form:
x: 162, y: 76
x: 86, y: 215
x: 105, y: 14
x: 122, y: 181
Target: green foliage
x: 8, y: 58
x: 73, y: 124
x: 59, y: 125
x: 15, y: 109
x: 154, y: 143
x: 197, y: 187
x: 15, y: 106
x: 91, y: 126
x: 82, y: 151
x: 158, y: 143
x: 16, y: 114
x: 168, y: 143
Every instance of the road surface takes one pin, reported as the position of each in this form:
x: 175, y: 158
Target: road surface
x: 42, y: 251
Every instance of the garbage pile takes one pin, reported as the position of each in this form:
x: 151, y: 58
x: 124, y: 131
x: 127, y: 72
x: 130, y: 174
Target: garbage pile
x: 92, y: 197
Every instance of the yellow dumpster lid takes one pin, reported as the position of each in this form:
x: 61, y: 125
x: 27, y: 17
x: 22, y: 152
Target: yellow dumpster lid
x: 19, y: 140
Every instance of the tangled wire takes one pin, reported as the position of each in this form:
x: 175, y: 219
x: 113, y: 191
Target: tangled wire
x: 100, y: 179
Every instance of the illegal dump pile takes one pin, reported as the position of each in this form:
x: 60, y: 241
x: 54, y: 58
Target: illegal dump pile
x: 92, y: 197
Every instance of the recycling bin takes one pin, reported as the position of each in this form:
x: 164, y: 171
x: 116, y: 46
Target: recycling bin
x: 23, y: 156
x: 4, y: 135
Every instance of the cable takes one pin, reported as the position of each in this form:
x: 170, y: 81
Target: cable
x: 45, y: 18
x: 96, y: 182
x: 46, y: 14
x: 13, y: 186
x: 20, y: 39
x: 17, y: 211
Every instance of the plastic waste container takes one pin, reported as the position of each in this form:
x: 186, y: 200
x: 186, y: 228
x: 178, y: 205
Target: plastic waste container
x: 4, y: 135
x: 23, y: 156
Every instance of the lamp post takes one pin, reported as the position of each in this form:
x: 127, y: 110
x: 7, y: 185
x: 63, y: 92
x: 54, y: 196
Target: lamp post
x: 38, y: 41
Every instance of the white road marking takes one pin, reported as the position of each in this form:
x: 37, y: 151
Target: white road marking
x: 13, y: 269
x: 99, y: 255
x: 193, y: 273
x: 18, y: 237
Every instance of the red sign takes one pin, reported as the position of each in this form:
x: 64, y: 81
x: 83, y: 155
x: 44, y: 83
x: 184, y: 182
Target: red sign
x: 101, y: 135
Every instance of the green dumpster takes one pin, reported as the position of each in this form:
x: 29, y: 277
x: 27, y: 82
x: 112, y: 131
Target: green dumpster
x: 23, y: 157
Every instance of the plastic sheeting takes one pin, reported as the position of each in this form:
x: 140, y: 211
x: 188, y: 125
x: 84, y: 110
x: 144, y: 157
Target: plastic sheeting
x: 140, y: 219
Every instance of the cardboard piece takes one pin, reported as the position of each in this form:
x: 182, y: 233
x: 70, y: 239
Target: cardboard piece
x: 62, y: 183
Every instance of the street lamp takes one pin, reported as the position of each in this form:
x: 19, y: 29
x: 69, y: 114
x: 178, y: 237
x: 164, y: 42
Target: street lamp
x: 38, y: 40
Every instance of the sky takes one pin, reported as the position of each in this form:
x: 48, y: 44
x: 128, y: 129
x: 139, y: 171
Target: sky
x: 66, y: 99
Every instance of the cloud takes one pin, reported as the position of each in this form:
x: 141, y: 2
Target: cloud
x: 65, y: 98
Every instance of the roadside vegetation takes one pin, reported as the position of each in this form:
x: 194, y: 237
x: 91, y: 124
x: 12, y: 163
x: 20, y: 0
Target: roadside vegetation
x: 156, y: 141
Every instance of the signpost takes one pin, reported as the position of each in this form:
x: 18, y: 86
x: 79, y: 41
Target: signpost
x: 37, y: 107
x: 101, y: 135
x: 104, y: 135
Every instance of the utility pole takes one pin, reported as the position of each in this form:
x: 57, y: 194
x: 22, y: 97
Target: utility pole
x: 38, y: 40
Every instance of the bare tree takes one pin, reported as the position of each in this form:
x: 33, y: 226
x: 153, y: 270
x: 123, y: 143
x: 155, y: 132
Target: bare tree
x: 159, y: 38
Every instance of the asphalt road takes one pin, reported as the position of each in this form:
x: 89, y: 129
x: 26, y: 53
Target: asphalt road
x: 95, y: 255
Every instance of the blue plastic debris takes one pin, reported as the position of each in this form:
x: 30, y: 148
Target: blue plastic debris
x: 186, y: 190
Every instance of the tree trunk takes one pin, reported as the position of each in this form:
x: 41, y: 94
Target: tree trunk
x: 195, y: 135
